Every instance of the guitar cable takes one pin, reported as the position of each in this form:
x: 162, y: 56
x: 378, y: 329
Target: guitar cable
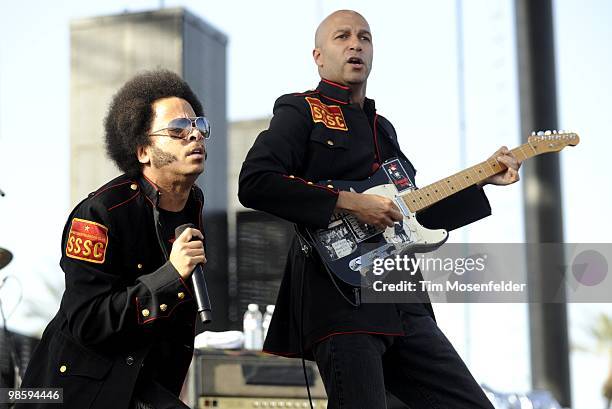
x: 306, y: 249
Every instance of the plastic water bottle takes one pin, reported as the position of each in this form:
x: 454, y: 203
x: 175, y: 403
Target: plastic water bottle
x: 266, y: 320
x: 252, y: 328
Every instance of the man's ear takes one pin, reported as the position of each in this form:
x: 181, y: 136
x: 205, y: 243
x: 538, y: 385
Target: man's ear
x: 143, y: 155
x: 317, y: 57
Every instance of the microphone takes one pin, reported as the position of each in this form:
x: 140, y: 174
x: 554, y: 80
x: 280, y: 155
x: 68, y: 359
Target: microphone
x: 199, y: 283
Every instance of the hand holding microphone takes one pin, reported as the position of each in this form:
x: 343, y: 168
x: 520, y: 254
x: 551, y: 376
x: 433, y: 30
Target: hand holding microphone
x: 187, y: 250
x: 188, y: 257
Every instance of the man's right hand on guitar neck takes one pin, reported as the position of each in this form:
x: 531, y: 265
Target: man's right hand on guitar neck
x: 375, y: 210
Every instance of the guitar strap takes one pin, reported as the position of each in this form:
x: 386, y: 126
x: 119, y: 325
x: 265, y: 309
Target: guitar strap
x: 391, y: 135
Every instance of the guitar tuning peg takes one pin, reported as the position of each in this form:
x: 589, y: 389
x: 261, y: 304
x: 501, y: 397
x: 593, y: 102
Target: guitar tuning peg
x: 547, y: 133
x: 540, y: 133
x: 554, y: 131
x: 533, y: 133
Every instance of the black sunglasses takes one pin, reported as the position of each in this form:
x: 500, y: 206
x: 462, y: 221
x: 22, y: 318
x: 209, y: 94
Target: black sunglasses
x: 181, y: 128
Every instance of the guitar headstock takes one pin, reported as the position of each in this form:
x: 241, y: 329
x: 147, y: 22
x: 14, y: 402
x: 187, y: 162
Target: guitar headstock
x: 552, y: 141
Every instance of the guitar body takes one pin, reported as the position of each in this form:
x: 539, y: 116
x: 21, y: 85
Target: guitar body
x: 349, y: 247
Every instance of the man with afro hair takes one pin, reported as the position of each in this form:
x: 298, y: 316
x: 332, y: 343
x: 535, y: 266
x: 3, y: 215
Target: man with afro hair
x: 123, y: 335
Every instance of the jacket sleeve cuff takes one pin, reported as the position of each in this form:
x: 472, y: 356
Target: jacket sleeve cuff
x: 166, y: 290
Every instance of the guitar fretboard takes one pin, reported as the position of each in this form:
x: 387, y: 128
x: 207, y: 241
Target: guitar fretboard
x: 422, y: 198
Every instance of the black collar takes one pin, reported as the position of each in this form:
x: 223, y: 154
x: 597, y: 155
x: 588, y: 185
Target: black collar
x: 150, y: 189
x: 341, y: 94
x: 153, y: 193
x: 334, y: 91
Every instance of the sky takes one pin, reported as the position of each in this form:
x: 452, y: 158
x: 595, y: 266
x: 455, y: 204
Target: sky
x: 418, y: 72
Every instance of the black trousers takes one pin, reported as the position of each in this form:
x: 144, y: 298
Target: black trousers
x: 422, y: 369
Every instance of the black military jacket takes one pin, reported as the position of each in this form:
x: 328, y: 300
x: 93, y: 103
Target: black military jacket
x: 315, y: 136
x: 123, y: 302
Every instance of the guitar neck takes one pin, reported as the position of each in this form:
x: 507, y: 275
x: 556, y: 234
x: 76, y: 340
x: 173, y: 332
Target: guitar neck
x: 422, y: 198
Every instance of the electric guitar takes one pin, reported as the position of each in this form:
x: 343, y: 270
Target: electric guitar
x: 349, y: 247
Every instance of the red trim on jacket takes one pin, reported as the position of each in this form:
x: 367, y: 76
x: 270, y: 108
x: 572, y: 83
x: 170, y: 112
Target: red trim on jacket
x: 303, y: 94
x: 335, y: 84
x: 185, y: 284
x: 334, y: 191
x: 146, y: 321
x: 112, y: 186
x: 376, y: 139
x: 333, y: 99
x: 391, y: 334
x: 150, y: 201
x: 164, y: 316
x: 150, y: 182
x: 124, y: 202
x: 137, y: 310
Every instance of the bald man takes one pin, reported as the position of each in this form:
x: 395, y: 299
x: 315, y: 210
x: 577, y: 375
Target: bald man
x: 334, y: 133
